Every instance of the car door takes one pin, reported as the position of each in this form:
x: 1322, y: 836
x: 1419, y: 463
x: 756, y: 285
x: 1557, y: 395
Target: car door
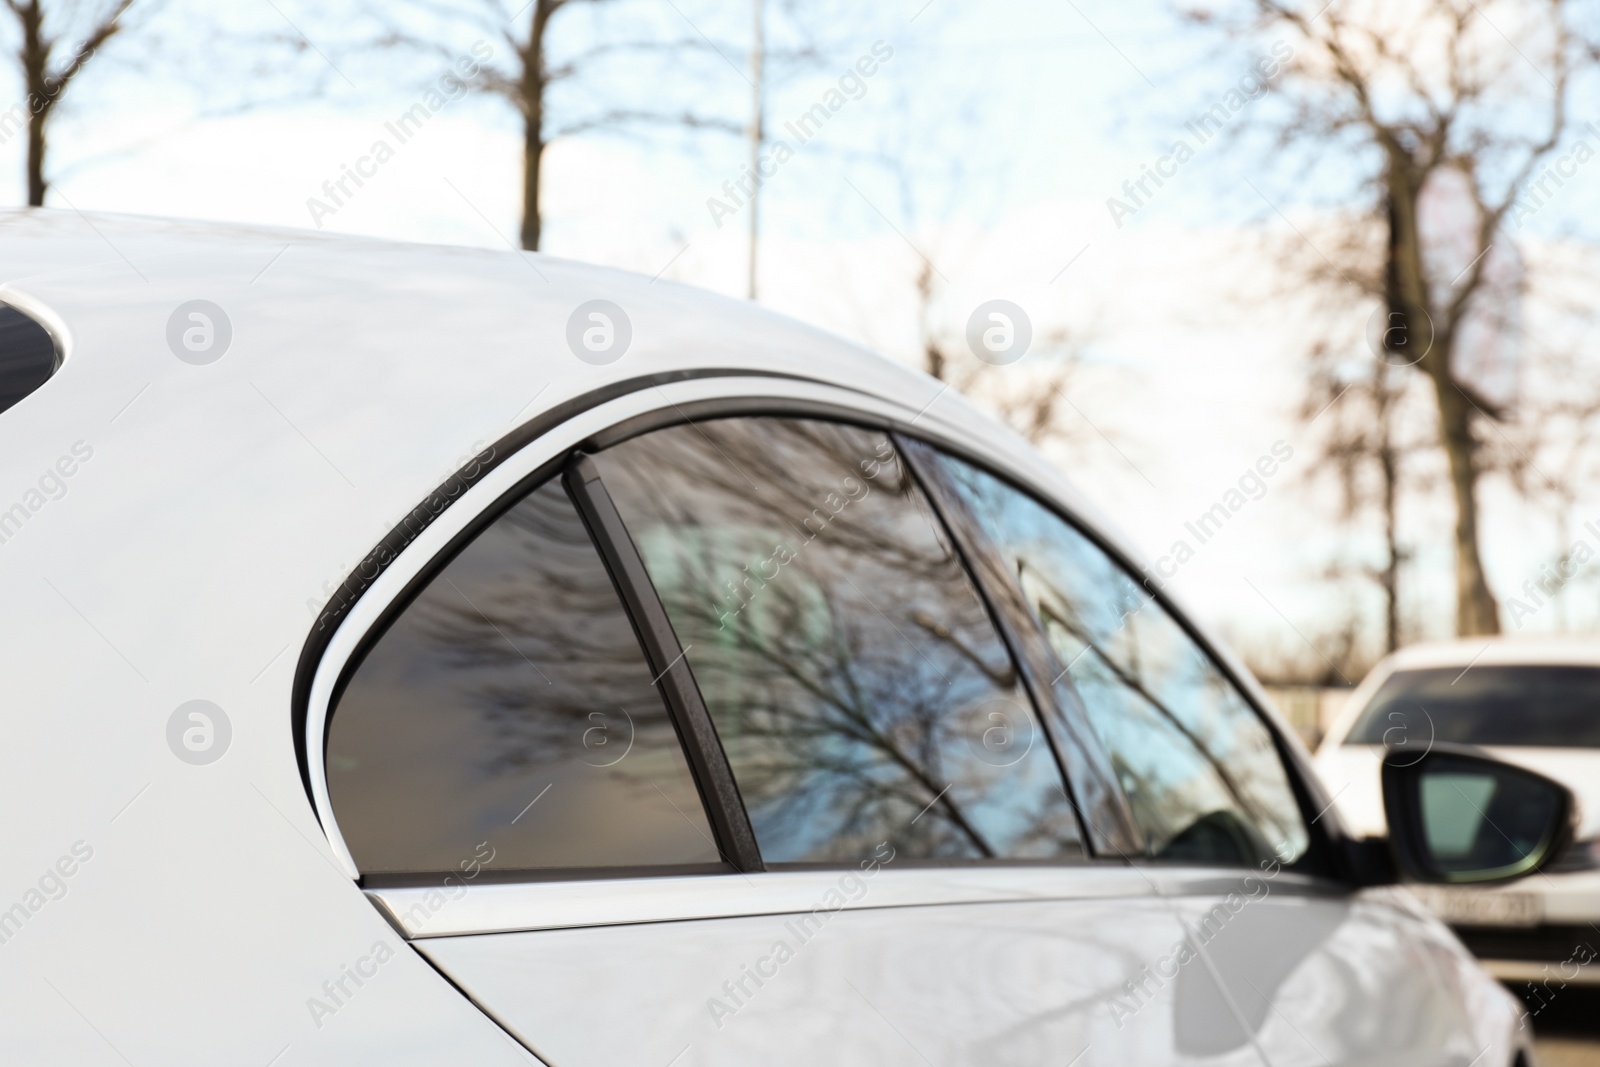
x: 1314, y: 972
x: 712, y: 751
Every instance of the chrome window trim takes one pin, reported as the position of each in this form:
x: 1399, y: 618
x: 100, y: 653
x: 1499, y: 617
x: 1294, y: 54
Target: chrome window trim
x: 1177, y: 880
x: 458, y: 907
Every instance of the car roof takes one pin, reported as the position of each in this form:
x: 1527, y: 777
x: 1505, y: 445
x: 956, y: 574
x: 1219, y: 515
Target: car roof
x: 361, y: 374
x: 1528, y: 650
x: 392, y: 361
x: 437, y: 320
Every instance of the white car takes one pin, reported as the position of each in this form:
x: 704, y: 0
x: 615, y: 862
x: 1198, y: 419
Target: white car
x: 1534, y: 702
x: 430, y: 655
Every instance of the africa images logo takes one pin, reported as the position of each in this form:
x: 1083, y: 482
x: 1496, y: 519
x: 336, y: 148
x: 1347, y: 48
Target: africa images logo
x: 199, y: 732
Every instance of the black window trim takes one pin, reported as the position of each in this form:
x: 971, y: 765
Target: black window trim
x: 1079, y: 756
x: 735, y: 838
x: 1325, y: 838
x: 413, y: 588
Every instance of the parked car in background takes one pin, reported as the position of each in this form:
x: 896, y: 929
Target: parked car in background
x: 443, y: 656
x: 1533, y: 702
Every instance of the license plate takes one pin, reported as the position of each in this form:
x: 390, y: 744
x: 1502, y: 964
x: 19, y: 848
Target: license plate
x: 1463, y: 906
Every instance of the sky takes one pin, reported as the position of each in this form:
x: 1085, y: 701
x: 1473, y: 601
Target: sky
x: 989, y: 142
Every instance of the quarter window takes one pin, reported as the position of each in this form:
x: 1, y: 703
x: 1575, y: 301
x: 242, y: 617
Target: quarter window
x: 1199, y: 767
x: 507, y: 717
x: 857, y: 683
x: 27, y: 356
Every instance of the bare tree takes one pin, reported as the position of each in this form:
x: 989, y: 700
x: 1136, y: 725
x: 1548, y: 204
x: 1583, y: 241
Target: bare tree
x: 758, y: 135
x: 526, y: 77
x: 1549, y: 457
x: 933, y: 188
x: 1030, y: 398
x: 1408, y: 93
x: 797, y: 27
x: 43, y: 28
x: 1363, y: 446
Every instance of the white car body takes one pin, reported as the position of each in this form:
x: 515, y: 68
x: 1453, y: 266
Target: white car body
x: 1554, y: 899
x: 209, y: 910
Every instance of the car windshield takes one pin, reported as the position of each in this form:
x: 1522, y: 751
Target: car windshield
x: 1555, y: 707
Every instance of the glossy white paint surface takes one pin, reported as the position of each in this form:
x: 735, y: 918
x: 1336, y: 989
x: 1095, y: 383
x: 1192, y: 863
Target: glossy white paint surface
x: 1336, y: 981
x: 1024, y: 983
x: 188, y: 558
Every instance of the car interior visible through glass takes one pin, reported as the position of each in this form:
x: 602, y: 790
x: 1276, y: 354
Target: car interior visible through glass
x: 1492, y: 704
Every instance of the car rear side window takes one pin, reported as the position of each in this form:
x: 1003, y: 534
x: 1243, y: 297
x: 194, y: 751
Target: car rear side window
x: 858, y: 686
x: 507, y: 715
x: 1550, y: 706
x: 28, y: 356
x: 1199, y: 767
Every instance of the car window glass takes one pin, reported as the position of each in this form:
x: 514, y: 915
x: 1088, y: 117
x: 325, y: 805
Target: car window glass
x: 1486, y: 704
x: 1198, y: 766
x: 856, y: 681
x: 27, y: 356
x: 508, y: 715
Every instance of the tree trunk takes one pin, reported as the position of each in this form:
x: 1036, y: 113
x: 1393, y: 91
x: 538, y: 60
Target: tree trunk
x: 758, y: 135
x: 532, y: 91
x: 532, y: 156
x: 36, y: 183
x: 1407, y: 285
x: 1389, y: 471
x: 932, y: 354
x: 35, y: 56
x: 1476, y: 610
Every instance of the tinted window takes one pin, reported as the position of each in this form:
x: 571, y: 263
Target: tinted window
x: 27, y: 356
x: 1197, y: 764
x: 509, y: 708
x: 854, y: 676
x: 1558, y: 707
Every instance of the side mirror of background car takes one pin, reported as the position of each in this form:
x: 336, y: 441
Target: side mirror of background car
x: 1458, y: 817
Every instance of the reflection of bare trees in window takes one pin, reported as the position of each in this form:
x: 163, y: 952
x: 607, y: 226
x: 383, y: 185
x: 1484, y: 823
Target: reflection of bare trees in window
x: 840, y: 646
x: 1194, y: 759
x: 1060, y: 617
x: 511, y: 697
x: 528, y: 618
x: 1171, y: 804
